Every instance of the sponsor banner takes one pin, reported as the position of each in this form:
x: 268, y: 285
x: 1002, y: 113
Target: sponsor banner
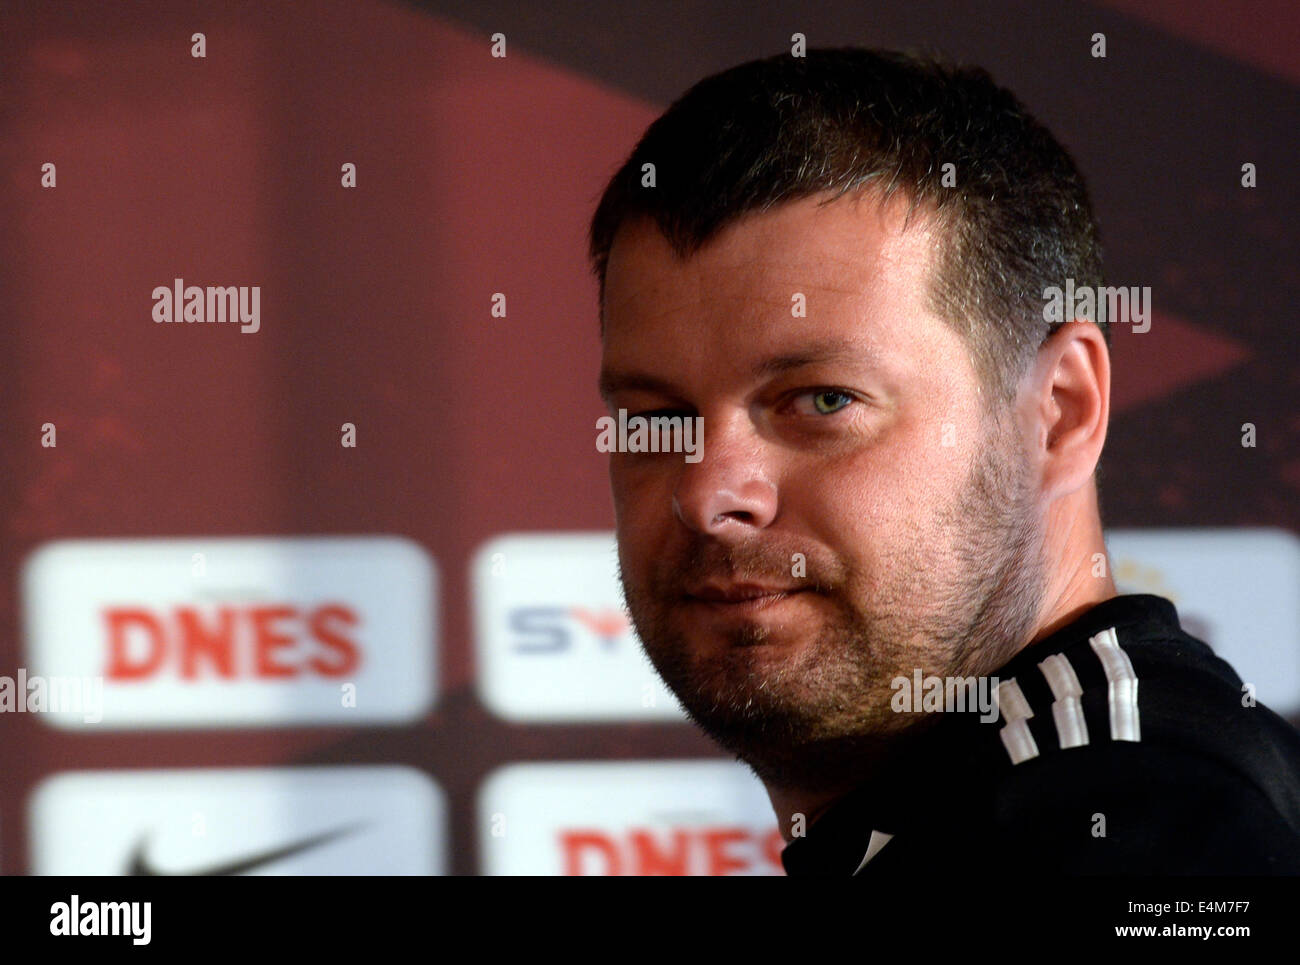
x: 627, y: 818
x: 236, y: 632
x: 554, y: 642
x: 1236, y: 589
x: 257, y: 821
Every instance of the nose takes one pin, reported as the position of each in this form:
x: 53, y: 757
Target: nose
x: 728, y: 493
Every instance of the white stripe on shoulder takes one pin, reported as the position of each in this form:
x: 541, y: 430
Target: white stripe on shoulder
x: 1123, y: 686
x: 1016, y: 737
x: 1067, y: 710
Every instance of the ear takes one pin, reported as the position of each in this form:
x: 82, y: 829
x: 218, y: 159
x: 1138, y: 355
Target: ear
x: 1065, y: 401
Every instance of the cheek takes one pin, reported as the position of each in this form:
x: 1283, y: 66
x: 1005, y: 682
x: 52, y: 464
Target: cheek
x: 642, y: 507
x: 880, y: 498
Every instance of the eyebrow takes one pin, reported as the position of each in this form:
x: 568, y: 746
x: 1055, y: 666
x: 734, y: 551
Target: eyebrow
x: 825, y: 351
x: 612, y: 381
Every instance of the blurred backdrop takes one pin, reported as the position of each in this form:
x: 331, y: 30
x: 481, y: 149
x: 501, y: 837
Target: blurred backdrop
x: 331, y: 589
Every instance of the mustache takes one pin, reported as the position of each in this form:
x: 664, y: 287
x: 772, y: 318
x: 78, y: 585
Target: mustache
x: 770, y: 559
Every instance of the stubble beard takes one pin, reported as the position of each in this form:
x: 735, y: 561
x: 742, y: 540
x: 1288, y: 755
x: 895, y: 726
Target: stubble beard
x: 819, y: 718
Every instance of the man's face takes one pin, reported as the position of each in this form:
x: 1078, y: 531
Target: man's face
x: 857, y: 514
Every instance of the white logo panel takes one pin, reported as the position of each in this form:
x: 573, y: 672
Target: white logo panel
x: 236, y: 632
x: 554, y: 640
x: 627, y: 818
x: 365, y: 820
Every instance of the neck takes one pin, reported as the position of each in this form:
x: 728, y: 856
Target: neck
x: 1077, y: 564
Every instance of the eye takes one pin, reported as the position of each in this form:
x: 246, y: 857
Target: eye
x: 830, y: 401
x: 827, y: 401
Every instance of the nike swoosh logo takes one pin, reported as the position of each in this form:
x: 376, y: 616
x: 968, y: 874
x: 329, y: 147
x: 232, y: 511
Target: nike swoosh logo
x: 141, y: 867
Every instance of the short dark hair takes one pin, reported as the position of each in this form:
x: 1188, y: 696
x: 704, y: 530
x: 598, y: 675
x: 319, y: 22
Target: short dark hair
x: 1018, y: 219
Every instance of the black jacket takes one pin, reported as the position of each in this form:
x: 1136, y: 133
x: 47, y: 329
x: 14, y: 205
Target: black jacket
x: 1169, y: 768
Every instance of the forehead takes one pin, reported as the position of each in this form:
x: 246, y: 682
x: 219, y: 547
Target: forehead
x: 840, y: 237
x: 860, y: 267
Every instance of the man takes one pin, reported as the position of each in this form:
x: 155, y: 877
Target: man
x: 840, y: 263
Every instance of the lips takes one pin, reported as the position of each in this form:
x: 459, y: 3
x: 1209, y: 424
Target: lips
x: 741, y: 593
